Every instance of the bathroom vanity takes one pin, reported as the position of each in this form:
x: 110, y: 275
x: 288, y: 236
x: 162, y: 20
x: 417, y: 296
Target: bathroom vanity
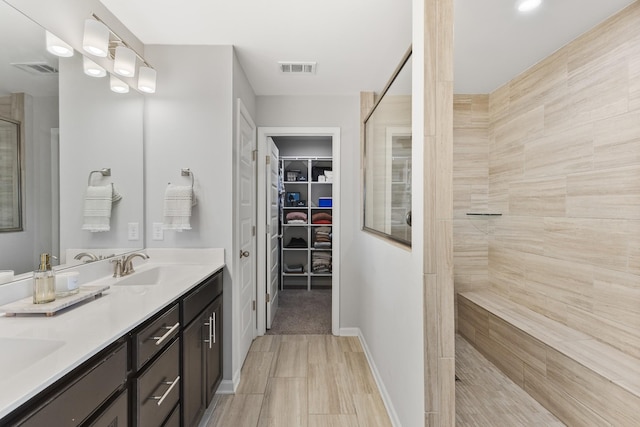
x: 146, y: 353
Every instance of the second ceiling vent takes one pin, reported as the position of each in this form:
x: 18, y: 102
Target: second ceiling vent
x: 297, y: 67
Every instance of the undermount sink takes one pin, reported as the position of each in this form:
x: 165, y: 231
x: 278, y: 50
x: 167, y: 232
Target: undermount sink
x: 20, y: 353
x: 154, y: 275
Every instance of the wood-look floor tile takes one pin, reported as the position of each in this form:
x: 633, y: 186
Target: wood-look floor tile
x: 292, y: 359
x: 350, y: 344
x: 285, y: 397
x: 329, y: 390
x: 325, y: 349
x: 265, y: 343
x: 240, y: 410
x: 255, y: 372
x: 358, y: 374
x: 333, y: 420
x: 371, y: 411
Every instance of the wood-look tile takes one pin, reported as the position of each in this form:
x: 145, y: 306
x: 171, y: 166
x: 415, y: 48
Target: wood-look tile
x: 538, y: 197
x: 502, y: 357
x: 616, y: 141
x: 285, y: 396
x: 265, y: 343
x: 255, y: 372
x: 371, y: 411
x: 359, y: 380
x: 431, y: 333
x: 333, y: 420
x: 326, y: 349
x: 292, y: 359
x: 329, y: 391
x: 350, y: 344
x: 241, y: 410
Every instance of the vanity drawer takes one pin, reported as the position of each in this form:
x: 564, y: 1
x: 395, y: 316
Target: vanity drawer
x: 158, y: 388
x: 154, y: 336
x: 75, y: 402
x: 195, y: 302
x: 116, y: 415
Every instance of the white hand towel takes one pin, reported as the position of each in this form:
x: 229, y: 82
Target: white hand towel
x: 97, y: 208
x: 178, y: 200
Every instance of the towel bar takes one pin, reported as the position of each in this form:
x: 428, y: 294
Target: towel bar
x: 187, y: 172
x: 103, y: 172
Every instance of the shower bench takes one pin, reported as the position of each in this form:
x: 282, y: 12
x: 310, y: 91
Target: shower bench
x: 579, y: 379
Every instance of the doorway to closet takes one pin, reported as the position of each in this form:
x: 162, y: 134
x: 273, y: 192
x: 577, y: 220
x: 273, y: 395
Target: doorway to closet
x: 298, y: 230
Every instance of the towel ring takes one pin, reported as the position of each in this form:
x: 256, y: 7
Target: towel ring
x: 103, y: 172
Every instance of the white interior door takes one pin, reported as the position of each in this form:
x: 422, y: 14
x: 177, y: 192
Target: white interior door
x: 273, y: 238
x: 246, y: 239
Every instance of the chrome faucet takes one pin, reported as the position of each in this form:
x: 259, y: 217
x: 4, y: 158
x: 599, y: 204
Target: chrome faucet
x: 127, y: 263
x: 89, y: 255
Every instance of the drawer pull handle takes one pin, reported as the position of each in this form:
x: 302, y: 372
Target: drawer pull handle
x: 214, y: 328
x: 171, y: 385
x: 210, y: 324
x: 170, y: 330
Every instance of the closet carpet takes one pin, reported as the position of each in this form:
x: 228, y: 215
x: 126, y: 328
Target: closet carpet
x: 302, y: 312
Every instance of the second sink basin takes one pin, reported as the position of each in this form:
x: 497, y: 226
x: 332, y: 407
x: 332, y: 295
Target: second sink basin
x: 155, y: 275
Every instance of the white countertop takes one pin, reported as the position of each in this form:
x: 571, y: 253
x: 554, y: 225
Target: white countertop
x: 50, y: 347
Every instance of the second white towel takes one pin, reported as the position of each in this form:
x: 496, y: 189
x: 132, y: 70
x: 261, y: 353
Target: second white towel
x: 97, y: 208
x: 178, y: 200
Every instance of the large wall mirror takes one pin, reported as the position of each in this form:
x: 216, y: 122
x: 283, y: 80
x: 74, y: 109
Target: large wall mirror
x: 71, y: 124
x: 10, y: 174
x: 387, y: 159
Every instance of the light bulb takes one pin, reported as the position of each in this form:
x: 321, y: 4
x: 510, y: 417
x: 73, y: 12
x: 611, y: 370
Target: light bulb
x: 57, y: 47
x: 118, y: 85
x: 528, y: 5
x: 125, y: 62
x: 92, y: 69
x: 147, y: 80
x: 96, y: 38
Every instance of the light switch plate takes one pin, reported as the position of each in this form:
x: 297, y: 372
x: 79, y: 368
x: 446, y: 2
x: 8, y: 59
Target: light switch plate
x: 133, y: 231
x: 158, y: 232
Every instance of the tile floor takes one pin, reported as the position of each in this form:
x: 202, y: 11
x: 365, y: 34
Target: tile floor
x: 325, y: 381
x: 303, y: 381
x: 486, y: 397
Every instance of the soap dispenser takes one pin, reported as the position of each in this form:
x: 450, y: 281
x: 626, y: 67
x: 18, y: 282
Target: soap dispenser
x: 44, y: 281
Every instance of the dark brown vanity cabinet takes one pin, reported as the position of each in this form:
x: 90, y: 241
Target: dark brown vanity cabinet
x: 202, y: 348
x: 83, y: 395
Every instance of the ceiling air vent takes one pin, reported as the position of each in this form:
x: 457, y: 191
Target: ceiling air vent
x: 297, y: 67
x: 39, y: 68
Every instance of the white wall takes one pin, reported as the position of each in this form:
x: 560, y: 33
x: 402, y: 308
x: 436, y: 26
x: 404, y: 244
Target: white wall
x: 98, y: 129
x: 380, y: 289
x: 189, y: 123
x: 20, y: 249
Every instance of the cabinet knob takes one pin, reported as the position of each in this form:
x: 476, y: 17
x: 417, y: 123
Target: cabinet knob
x: 244, y: 254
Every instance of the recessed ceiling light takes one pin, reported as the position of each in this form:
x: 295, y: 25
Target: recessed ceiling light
x: 527, y: 5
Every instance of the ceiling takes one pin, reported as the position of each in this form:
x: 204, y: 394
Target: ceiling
x: 358, y: 43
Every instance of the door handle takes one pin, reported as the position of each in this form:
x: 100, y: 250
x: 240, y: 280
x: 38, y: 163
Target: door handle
x: 407, y: 218
x: 243, y: 254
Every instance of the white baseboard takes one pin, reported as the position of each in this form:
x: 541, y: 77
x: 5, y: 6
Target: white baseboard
x: 229, y: 386
x: 376, y: 374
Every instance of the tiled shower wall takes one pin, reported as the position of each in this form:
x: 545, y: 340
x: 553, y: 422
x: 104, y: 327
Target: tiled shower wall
x: 564, y: 171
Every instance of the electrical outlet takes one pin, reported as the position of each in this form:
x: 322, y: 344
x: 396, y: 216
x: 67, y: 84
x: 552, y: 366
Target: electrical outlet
x: 133, y: 231
x: 158, y: 232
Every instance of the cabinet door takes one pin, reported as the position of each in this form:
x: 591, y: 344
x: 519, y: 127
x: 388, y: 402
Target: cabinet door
x: 193, y: 371
x: 213, y: 352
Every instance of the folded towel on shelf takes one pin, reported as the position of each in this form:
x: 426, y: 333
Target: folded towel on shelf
x: 178, y: 200
x: 296, y: 221
x: 296, y: 216
x: 321, y: 218
x: 296, y: 242
x: 322, y: 245
x: 97, y: 208
x: 294, y: 268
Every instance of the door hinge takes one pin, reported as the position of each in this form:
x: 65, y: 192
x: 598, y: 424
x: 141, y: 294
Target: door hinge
x: 254, y: 154
x: 253, y: 305
x: 268, y: 297
x: 253, y: 230
x: 268, y: 160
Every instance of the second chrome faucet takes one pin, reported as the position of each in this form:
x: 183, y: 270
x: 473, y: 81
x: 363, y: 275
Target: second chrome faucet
x: 124, y: 265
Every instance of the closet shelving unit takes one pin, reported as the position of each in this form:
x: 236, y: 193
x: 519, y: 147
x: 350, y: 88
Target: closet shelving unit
x: 304, y: 193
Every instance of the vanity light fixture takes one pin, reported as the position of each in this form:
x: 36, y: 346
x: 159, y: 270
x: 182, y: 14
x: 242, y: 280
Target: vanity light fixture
x: 147, y: 80
x: 118, y: 85
x: 125, y: 62
x: 92, y: 69
x: 96, y: 38
x: 527, y: 5
x: 58, y: 47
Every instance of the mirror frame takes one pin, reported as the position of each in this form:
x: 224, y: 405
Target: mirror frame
x: 13, y: 201
x: 388, y: 236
